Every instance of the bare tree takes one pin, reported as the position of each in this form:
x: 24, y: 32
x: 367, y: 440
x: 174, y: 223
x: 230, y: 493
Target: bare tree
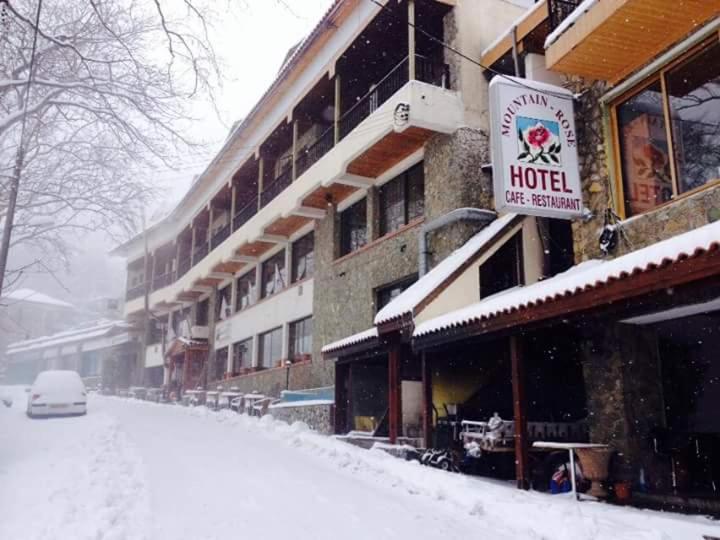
x: 107, y: 100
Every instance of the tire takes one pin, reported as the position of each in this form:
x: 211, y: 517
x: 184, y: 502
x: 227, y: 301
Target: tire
x: 445, y: 465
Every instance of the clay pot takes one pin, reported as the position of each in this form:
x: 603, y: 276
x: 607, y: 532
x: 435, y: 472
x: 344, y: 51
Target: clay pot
x: 594, y: 463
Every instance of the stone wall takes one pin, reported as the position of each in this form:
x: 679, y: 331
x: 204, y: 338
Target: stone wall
x: 594, y: 144
x: 271, y: 382
x: 319, y: 417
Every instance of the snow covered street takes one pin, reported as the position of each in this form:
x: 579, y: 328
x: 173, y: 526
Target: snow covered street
x: 136, y: 470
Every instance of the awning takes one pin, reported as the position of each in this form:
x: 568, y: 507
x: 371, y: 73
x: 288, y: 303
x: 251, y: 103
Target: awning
x: 411, y: 298
x: 367, y: 339
x: 678, y: 260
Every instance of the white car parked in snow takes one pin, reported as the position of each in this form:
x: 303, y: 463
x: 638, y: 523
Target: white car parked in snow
x: 57, y: 392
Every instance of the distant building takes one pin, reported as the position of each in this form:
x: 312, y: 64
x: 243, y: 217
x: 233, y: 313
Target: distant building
x: 27, y: 314
x: 103, y: 352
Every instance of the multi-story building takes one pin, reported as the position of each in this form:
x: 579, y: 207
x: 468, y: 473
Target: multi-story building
x: 614, y: 344
x: 307, y: 220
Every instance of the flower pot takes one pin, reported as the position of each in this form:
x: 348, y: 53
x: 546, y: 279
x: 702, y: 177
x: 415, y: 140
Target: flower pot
x: 623, y: 492
x: 594, y: 463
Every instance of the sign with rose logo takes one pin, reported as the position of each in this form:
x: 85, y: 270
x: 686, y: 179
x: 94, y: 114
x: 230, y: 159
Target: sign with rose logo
x: 534, y: 148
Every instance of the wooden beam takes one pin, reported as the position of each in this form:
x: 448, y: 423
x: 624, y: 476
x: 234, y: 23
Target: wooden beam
x: 522, y: 465
x: 354, y: 180
x: 394, y: 397
x: 220, y: 275
x: 244, y: 259
x: 273, y: 239
x: 427, y: 401
x: 308, y: 212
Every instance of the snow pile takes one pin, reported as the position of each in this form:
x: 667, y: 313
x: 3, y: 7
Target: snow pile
x: 496, y: 507
x: 90, y: 484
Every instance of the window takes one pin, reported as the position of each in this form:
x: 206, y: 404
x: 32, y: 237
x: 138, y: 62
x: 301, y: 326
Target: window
x: 667, y: 133
x: 221, y: 357
x: 303, y: 257
x: 503, y: 269
x: 223, y: 303
x: 242, y: 355
x: 201, y: 313
x: 300, y: 339
x: 246, y: 291
x: 353, y: 227
x: 387, y: 294
x: 274, y: 275
x: 270, y: 352
x: 402, y: 199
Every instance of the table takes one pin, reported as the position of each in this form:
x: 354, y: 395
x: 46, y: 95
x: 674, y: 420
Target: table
x: 570, y: 447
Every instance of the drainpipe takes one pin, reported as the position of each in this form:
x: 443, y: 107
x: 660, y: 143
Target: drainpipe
x: 516, y: 61
x: 459, y: 214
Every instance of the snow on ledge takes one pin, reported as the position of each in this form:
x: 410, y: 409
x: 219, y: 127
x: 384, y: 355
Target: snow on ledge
x: 581, y: 277
x: 360, y: 337
x: 583, y: 8
x: 411, y: 297
x: 301, y: 403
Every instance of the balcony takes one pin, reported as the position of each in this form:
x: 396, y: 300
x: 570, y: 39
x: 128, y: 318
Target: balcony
x: 611, y: 39
x: 162, y: 280
x: 220, y: 236
x: 135, y: 292
x: 374, y: 141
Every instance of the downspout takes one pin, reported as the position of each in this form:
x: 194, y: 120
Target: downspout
x: 459, y: 214
x: 516, y: 61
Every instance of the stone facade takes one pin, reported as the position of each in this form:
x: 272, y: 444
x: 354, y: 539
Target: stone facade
x: 319, y: 417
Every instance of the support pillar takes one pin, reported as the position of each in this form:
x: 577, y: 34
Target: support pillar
x: 522, y: 469
x: 342, y: 398
x: 427, y: 401
x: 294, y: 148
x: 394, y: 397
x: 338, y: 102
x: 411, y: 40
x: 261, y: 174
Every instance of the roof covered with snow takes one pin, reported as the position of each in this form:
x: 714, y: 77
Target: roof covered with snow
x: 411, y: 297
x: 356, y: 339
x: 585, y: 276
x: 30, y: 295
x: 94, y: 330
x: 570, y: 20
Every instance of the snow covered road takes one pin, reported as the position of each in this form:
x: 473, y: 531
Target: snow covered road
x: 134, y: 470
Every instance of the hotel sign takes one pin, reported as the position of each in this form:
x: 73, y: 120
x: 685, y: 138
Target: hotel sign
x: 534, y: 148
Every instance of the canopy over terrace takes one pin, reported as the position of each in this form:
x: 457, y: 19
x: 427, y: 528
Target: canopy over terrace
x: 644, y: 327
x: 186, y: 360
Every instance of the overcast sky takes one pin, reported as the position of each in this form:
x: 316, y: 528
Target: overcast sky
x: 251, y: 40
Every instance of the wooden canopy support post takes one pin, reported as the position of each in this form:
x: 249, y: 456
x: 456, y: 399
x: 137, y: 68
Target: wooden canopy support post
x: 522, y: 470
x: 427, y: 401
x: 342, y: 398
x: 411, y: 39
x: 394, y: 397
x: 338, y: 102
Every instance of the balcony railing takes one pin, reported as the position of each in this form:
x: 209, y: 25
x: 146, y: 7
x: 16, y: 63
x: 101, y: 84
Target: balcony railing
x: 200, y: 252
x: 135, y: 292
x: 276, y: 187
x: 183, y: 266
x: 244, y: 214
x: 163, y: 280
x: 220, y: 236
x: 560, y: 10
x: 310, y: 155
x: 426, y: 70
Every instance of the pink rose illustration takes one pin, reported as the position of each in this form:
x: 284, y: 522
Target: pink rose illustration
x: 538, y: 136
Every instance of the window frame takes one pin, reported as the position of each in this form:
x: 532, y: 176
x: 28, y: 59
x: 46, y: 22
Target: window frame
x: 403, y: 179
x: 404, y: 282
x: 225, y: 292
x: 226, y: 353
x: 347, y: 227
x: 292, y: 338
x: 252, y: 290
x: 657, y: 77
x: 295, y: 258
x: 280, y: 255
x: 515, y: 242
x: 235, y: 367
x: 261, y: 348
